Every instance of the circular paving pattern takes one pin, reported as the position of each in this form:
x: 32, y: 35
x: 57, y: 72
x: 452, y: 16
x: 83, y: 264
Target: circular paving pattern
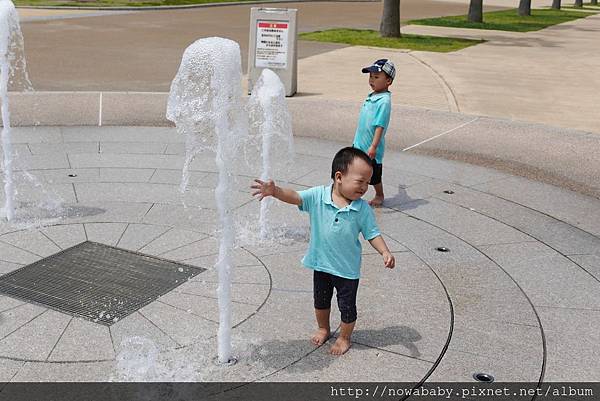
x: 487, y: 276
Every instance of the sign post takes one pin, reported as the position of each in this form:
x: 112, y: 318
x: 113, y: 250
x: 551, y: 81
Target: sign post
x: 273, y: 40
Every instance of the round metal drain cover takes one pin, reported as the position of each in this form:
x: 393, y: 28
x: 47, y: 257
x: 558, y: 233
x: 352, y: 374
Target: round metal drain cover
x: 449, y: 192
x: 72, y: 175
x: 232, y: 361
x: 442, y: 249
x: 483, y: 377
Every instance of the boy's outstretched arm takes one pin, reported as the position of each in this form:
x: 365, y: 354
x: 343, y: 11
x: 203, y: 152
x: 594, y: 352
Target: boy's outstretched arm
x: 379, y: 244
x: 268, y: 188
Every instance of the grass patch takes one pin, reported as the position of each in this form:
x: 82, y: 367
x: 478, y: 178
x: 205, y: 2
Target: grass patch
x: 585, y: 7
x: 365, y: 37
x: 114, y: 3
x: 507, y: 20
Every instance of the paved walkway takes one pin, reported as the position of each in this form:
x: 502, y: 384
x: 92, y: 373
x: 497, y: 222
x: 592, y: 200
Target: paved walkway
x: 516, y: 296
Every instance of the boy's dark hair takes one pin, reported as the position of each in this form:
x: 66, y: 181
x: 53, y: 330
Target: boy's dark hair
x: 344, y: 157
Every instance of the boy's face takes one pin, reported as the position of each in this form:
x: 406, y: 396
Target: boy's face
x: 355, y: 183
x: 379, y: 81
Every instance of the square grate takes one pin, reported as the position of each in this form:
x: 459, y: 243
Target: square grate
x: 97, y: 282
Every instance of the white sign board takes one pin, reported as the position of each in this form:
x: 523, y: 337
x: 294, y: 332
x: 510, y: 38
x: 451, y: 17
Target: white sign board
x: 271, y: 44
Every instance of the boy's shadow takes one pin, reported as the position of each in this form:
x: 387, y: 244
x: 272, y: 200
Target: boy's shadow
x: 272, y: 353
x: 402, y: 201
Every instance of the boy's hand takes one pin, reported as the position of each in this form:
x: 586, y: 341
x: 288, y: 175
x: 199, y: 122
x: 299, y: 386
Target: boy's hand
x: 388, y: 260
x: 372, y: 151
x: 264, y: 188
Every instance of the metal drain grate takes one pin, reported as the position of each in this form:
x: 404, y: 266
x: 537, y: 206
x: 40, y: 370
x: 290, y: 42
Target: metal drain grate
x: 97, y: 282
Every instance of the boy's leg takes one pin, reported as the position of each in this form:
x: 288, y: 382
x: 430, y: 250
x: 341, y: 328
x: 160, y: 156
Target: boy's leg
x: 322, y: 292
x: 346, y: 297
x: 377, y: 184
x: 378, y: 198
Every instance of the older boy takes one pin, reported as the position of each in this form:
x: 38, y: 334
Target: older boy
x: 337, y: 216
x: 374, y: 119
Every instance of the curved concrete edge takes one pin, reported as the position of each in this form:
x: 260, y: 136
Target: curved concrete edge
x: 185, y: 6
x: 536, y: 151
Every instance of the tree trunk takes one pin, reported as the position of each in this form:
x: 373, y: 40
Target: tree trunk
x: 594, y: 2
x: 524, y: 8
x: 556, y: 4
x: 476, y: 11
x: 390, y: 21
x: 578, y: 3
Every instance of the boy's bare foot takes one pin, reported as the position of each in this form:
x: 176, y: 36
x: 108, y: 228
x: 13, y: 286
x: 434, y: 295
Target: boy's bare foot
x: 376, y: 201
x: 320, y: 336
x: 341, y: 346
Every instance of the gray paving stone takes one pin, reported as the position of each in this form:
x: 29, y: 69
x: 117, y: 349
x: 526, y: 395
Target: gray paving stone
x: 505, y: 342
x: 36, y: 339
x: 61, y: 176
x: 208, y: 308
x: 9, y: 368
x: 136, y: 236
x: 34, y: 242
x: 7, y: 303
x: 202, y: 247
x: 115, y: 175
x: 551, y: 200
x: 36, y: 135
x: 178, y: 324
x: 29, y: 195
x: 542, y: 273
x: 110, y: 160
x: 6, y: 267
x: 472, y: 227
x: 44, y: 161
x: 240, y: 258
x: 117, y: 134
x: 66, y: 372
x: 499, y: 305
x: 173, y: 177
x: 14, y: 318
x: 104, y: 233
x: 175, y: 149
x: 181, y: 217
x: 458, y: 366
x: 171, y: 239
x: 136, y: 325
x: 93, y: 212
x: 12, y: 254
x: 591, y: 263
x: 561, y: 236
x: 247, y: 274
x: 70, y: 347
x: 321, y: 366
x: 572, y: 339
x: 446, y: 170
x: 133, y: 147
x: 251, y: 294
x: 67, y: 235
x: 66, y: 147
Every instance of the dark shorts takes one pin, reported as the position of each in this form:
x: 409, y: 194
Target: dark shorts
x: 346, y: 289
x: 377, y: 171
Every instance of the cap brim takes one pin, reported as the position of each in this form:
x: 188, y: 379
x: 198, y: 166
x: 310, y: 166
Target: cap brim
x: 372, y: 68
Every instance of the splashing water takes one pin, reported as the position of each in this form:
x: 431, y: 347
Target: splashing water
x: 271, y: 130
x: 205, y: 105
x: 13, y: 72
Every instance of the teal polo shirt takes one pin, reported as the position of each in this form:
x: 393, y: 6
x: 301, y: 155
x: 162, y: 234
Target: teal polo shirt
x: 334, y: 246
x: 375, y: 112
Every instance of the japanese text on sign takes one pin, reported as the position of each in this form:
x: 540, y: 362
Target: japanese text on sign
x: 271, y: 44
